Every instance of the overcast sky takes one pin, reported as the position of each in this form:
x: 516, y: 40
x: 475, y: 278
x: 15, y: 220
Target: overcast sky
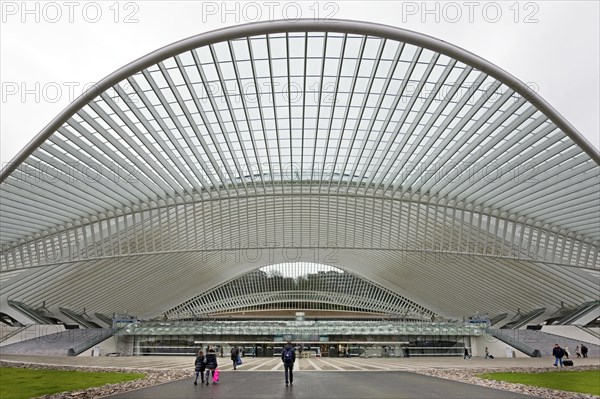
x: 51, y: 51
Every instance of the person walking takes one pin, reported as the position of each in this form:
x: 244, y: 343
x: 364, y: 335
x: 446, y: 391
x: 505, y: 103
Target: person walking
x: 211, y: 363
x: 235, y: 353
x: 567, y: 353
x: 466, y: 354
x: 200, y: 366
x: 288, y: 357
x: 558, y: 354
x: 487, y: 352
x: 584, y: 350
x: 577, y: 351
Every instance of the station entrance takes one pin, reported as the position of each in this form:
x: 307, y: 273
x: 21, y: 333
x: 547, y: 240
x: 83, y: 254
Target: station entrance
x: 306, y: 349
x: 331, y: 338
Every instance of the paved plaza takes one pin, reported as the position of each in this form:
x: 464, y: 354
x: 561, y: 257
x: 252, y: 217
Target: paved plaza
x: 314, y: 377
x: 302, y: 365
x: 334, y: 384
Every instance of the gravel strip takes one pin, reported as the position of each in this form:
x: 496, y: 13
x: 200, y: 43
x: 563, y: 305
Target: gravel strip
x: 156, y: 377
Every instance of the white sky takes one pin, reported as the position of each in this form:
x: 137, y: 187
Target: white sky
x: 50, y: 51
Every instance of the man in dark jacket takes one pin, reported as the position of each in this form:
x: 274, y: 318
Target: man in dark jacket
x: 199, y: 366
x: 288, y: 357
x: 558, y: 354
x: 235, y: 352
x: 211, y: 363
x: 584, y: 350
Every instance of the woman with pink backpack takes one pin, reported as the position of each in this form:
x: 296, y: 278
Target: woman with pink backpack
x: 211, y: 365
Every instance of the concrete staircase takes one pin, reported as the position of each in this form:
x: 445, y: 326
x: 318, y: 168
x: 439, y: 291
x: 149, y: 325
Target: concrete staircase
x: 68, y: 342
x: 544, y: 341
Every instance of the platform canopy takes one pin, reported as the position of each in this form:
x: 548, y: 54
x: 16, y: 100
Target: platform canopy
x: 419, y: 169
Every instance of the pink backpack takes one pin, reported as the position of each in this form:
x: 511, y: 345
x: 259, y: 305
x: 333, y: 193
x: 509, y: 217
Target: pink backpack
x: 216, y: 376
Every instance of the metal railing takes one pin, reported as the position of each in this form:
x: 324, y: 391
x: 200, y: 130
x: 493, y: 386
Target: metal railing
x: 524, y: 319
x: 506, y: 338
x: 590, y: 331
x: 579, y: 311
x: 6, y: 336
x: 87, y: 344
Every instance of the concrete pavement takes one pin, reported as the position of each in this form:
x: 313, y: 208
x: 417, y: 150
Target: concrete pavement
x: 312, y: 364
x: 335, y: 384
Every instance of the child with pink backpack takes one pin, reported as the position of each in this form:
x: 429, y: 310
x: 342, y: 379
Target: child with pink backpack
x: 211, y: 365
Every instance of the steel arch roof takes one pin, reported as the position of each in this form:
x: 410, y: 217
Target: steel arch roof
x: 419, y: 162
x: 299, y: 285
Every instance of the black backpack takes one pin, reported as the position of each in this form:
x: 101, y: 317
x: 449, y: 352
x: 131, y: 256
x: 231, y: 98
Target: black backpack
x: 288, y: 355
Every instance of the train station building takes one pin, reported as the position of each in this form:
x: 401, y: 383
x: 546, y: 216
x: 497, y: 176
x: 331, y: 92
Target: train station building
x: 349, y: 186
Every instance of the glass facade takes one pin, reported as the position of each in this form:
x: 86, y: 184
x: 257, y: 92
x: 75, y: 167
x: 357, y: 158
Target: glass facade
x: 261, y: 338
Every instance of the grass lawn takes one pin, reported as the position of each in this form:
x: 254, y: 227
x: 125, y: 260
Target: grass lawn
x: 18, y: 383
x: 587, y: 381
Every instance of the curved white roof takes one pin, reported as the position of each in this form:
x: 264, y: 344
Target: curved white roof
x: 407, y: 161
